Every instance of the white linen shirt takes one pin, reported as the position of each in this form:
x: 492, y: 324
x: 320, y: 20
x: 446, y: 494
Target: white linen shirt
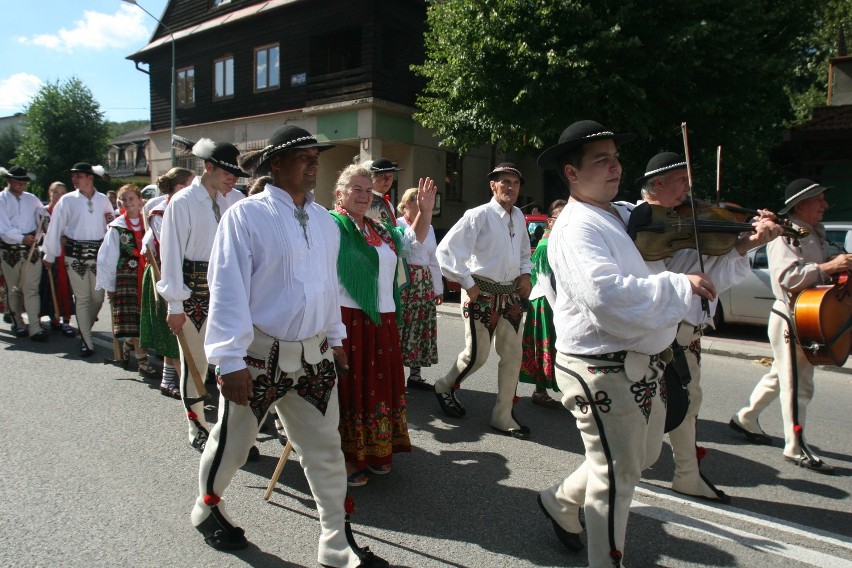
x: 20, y: 215
x: 232, y: 197
x: 263, y: 273
x: 72, y: 218
x: 108, y: 256
x: 607, y: 297
x: 481, y: 243
x: 189, y: 227
x: 423, y: 254
x: 155, y: 226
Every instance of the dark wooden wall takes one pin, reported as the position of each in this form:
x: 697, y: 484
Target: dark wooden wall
x: 309, y: 33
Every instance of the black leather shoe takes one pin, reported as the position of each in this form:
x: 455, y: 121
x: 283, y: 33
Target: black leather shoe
x: 254, y: 454
x: 7, y: 318
x: 569, y: 540
x: 520, y: 433
x: 220, y: 534
x: 450, y: 404
x: 68, y: 331
x: 85, y: 351
x: 807, y: 463
x: 41, y: 337
x: 761, y: 438
x: 21, y: 332
x: 419, y: 383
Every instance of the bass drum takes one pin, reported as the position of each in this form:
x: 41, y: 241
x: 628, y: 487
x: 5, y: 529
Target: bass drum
x: 823, y: 318
x: 677, y: 399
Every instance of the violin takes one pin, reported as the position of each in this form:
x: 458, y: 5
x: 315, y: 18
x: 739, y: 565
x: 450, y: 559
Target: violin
x: 660, y: 231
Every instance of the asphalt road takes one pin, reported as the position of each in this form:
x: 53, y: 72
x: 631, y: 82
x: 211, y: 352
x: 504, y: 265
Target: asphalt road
x: 97, y: 471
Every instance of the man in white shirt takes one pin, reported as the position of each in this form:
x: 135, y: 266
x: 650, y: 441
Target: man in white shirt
x: 189, y: 226
x: 615, y: 317
x: 666, y: 184
x: 81, y: 217
x: 488, y: 252
x: 275, y: 333
x: 21, y: 218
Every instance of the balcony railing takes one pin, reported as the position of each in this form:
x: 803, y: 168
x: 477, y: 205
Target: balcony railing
x: 343, y: 85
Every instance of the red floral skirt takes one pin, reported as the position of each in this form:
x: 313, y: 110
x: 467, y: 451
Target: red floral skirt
x: 373, y: 417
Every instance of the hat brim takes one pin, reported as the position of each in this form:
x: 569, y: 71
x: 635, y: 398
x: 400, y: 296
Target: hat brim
x: 550, y: 157
x: 813, y: 192
x: 263, y: 167
x: 71, y: 171
x: 659, y: 172
x: 384, y: 170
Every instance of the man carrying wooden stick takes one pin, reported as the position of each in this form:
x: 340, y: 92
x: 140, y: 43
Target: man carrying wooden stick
x: 275, y: 332
x: 189, y: 225
x: 21, y: 216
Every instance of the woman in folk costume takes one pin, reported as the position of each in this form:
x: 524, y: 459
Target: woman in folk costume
x: 154, y: 331
x: 373, y: 420
x: 121, y: 265
x: 419, y: 315
x: 539, y: 332
x: 61, y: 287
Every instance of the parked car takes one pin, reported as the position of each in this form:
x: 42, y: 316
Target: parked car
x: 150, y: 191
x: 536, y: 225
x: 750, y: 301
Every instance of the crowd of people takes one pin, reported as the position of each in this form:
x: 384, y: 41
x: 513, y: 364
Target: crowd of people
x: 284, y: 297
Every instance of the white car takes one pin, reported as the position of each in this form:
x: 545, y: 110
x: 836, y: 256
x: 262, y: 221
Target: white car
x: 750, y: 301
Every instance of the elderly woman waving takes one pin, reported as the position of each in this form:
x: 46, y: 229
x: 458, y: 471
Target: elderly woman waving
x: 373, y: 420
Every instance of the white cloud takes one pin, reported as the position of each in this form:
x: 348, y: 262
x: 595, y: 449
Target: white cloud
x: 16, y: 91
x: 97, y: 31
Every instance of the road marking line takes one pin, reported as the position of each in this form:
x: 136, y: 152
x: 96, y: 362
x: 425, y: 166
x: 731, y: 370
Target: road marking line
x: 833, y: 539
x: 743, y: 538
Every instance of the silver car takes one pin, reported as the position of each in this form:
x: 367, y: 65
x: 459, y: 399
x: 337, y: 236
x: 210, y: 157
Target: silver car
x: 749, y: 301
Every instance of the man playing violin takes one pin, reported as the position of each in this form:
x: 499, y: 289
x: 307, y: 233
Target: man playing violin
x: 666, y: 183
x: 795, y: 265
x: 615, y: 316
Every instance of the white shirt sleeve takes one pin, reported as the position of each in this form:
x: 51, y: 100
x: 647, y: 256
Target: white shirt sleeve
x: 52, y: 241
x: 108, y: 261
x: 175, y: 234
x: 455, y: 249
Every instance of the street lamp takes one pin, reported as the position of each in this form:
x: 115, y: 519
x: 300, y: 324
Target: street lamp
x: 174, y: 106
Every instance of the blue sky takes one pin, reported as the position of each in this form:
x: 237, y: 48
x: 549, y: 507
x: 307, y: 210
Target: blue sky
x: 49, y: 40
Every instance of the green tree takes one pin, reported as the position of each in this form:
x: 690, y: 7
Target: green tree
x: 10, y: 138
x: 64, y: 125
x: 515, y: 72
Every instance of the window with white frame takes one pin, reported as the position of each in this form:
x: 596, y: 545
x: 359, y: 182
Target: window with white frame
x: 223, y: 78
x: 267, y: 69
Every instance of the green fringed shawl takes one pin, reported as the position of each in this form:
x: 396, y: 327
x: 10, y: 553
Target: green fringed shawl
x: 358, y: 265
x: 540, y: 265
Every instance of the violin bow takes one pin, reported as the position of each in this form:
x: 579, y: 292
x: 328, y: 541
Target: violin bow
x: 719, y: 175
x: 705, y: 305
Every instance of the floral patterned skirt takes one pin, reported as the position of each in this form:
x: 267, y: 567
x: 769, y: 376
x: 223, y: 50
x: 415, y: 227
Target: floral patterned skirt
x: 373, y: 416
x: 419, y: 320
x: 538, y: 347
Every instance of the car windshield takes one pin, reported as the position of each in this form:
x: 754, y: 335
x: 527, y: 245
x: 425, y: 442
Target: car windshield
x: 536, y: 230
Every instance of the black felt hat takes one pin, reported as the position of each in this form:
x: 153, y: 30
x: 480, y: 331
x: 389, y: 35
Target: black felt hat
x: 221, y: 154
x: 660, y: 164
x: 800, y: 190
x: 383, y: 165
x: 579, y: 133
x: 505, y: 167
x: 17, y: 173
x: 84, y: 168
x: 288, y: 137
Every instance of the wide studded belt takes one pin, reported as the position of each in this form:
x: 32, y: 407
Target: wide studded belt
x: 82, y: 250
x: 491, y: 287
x: 195, y: 277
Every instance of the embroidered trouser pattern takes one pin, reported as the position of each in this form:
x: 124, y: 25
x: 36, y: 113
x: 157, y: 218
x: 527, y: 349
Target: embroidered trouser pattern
x: 26, y: 298
x: 779, y: 381
x: 621, y: 423
x: 88, y: 301
x: 496, y: 317
x: 315, y: 438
